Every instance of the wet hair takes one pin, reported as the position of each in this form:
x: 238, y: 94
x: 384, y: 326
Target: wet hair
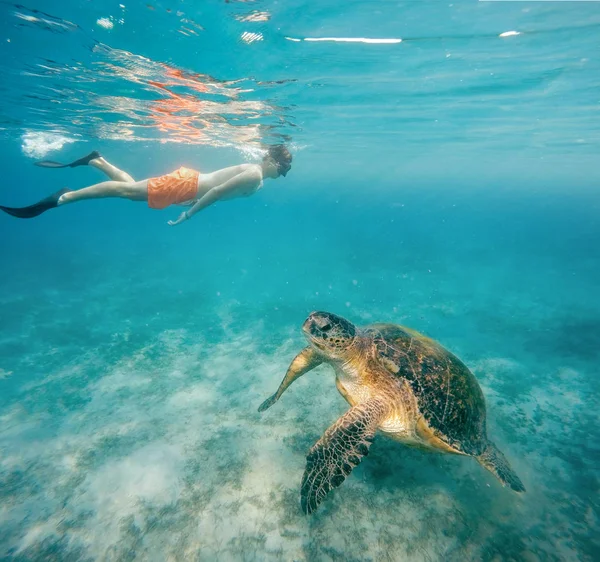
x: 280, y: 155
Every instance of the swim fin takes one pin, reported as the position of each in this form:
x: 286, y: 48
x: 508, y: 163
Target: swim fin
x: 81, y: 162
x: 37, y: 208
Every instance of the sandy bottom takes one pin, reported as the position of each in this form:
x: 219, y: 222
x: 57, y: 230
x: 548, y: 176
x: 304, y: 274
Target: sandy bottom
x: 123, y: 436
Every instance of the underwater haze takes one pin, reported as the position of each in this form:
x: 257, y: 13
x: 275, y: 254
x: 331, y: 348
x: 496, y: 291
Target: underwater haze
x: 445, y: 177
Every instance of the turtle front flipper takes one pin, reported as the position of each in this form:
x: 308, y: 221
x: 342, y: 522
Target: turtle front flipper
x: 341, y: 448
x: 493, y: 459
x: 305, y: 361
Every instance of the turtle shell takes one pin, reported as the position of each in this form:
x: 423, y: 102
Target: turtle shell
x: 448, y: 394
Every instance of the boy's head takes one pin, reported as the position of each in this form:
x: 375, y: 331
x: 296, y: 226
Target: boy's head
x: 281, y: 157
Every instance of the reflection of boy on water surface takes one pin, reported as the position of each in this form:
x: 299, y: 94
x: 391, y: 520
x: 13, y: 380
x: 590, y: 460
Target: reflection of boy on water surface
x: 182, y: 187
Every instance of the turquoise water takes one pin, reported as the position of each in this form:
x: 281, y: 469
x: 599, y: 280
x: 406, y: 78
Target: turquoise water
x: 448, y: 182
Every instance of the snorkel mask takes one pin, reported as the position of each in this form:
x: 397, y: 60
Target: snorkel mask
x: 283, y: 168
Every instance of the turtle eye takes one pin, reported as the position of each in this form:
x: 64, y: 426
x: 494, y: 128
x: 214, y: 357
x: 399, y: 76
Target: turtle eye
x: 326, y: 328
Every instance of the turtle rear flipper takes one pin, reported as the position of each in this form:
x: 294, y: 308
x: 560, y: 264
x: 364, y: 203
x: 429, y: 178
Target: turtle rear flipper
x: 341, y: 448
x: 493, y: 459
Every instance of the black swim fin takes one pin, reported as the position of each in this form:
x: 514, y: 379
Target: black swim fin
x: 81, y: 162
x: 37, y: 208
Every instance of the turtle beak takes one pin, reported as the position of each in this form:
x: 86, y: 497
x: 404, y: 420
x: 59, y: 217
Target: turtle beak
x: 313, y: 328
x: 308, y: 326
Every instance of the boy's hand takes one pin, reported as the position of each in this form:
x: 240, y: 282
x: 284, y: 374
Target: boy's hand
x: 182, y: 218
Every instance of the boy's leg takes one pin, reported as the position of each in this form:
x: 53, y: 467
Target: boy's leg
x: 135, y: 191
x: 95, y: 160
x: 111, y: 171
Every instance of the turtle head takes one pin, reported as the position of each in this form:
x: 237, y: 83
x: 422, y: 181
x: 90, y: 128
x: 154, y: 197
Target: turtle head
x: 328, y: 333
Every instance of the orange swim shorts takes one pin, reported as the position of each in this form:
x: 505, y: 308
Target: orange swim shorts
x: 177, y: 187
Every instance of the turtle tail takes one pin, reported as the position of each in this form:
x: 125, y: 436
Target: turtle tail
x: 493, y: 459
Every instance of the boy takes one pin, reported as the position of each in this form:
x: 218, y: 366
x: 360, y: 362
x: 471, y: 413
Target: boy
x: 184, y: 186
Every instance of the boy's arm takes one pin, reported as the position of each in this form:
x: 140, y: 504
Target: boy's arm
x: 246, y: 179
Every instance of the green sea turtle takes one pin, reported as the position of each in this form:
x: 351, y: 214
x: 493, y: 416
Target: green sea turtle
x: 396, y: 381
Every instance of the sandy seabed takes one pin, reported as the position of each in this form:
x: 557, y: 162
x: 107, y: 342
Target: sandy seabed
x: 151, y: 448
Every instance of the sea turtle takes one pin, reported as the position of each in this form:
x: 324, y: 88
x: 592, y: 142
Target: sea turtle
x: 399, y: 382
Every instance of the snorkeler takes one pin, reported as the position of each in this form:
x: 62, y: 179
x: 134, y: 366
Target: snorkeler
x: 184, y: 186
